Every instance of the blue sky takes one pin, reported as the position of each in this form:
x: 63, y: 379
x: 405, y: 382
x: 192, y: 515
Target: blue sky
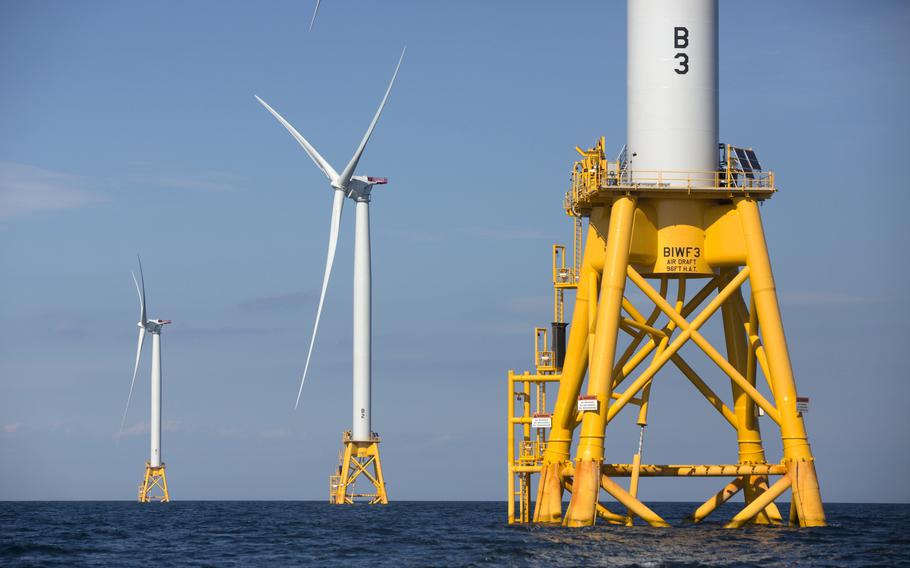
x: 128, y: 127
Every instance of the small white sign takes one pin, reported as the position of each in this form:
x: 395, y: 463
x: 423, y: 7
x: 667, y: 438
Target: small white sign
x: 542, y: 421
x: 802, y: 404
x: 588, y: 402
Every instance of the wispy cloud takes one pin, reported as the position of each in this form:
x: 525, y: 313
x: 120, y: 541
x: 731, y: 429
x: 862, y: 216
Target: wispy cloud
x: 503, y: 233
x: 275, y: 434
x: 28, y: 189
x: 243, y: 433
x: 278, y: 302
x: 202, y: 181
x: 819, y: 298
x: 140, y: 428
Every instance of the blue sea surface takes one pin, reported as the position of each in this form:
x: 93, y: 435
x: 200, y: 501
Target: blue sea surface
x: 295, y: 533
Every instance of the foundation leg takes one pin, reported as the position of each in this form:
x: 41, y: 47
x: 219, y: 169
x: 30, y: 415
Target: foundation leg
x: 797, y: 453
x: 747, y: 427
x: 548, y: 508
x: 583, y: 506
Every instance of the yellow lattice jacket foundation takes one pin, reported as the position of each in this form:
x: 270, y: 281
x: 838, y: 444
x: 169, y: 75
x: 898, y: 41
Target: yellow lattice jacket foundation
x: 695, y: 251
x: 154, y: 485
x: 358, y: 461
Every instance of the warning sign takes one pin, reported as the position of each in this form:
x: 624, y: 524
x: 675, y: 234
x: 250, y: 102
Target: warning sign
x: 540, y: 420
x: 588, y: 402
x: 802, y: 404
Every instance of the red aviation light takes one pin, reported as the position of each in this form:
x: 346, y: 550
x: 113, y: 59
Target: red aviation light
x: 378, y: 181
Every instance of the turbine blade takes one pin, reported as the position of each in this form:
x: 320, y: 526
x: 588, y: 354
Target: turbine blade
x: 337, y: 205
x: 316, y: 11
x: 352, y: 165
x: 321, y: 162
x: 143, y: 312
x: 135, y: 370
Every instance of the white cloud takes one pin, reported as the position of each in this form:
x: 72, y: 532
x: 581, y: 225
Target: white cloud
x: 27, y: 189
x: 144, y: 428
x: 203, y: 181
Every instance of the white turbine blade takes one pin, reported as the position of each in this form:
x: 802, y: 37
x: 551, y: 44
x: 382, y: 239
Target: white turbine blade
x: 323, y: 165
x: 316, y: 11
x: 143, y: 312
x: 135, y: 370
x: 352, y: 165
x: 337, y: 204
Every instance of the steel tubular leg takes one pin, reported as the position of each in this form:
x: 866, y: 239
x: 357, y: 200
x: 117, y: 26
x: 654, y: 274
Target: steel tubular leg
x: 602, y: 512
x: 797, y: 453
x: 383, y: 496
x: 341, y: 495
x: 748, y: 432
x: 582, y: 507
x: 548, y: 506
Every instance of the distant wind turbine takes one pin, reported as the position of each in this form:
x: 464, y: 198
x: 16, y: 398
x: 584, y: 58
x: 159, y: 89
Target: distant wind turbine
x: 357, y: 188
x: 154, y: 474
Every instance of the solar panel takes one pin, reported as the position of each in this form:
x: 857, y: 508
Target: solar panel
x: 744, y: 164
x: 753, y: 160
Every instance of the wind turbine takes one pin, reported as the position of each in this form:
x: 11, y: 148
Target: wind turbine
x: 361, y: 444
x: 154, y: 468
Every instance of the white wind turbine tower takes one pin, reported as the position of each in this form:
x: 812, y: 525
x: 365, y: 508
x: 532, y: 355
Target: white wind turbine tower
x: 361, y: 445
x: 154, y: 468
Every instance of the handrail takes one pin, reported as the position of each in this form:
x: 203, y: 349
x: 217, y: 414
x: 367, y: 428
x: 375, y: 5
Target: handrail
x: 589, y: 178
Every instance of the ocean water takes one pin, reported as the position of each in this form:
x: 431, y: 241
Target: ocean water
x: 288, y: 533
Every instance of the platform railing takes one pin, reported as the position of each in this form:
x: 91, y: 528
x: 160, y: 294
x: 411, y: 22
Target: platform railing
x: 608, y: 176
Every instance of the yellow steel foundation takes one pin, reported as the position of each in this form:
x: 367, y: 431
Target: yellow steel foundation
x: 154, y: 485
x: 688, y: 232
x: 358, y: 461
